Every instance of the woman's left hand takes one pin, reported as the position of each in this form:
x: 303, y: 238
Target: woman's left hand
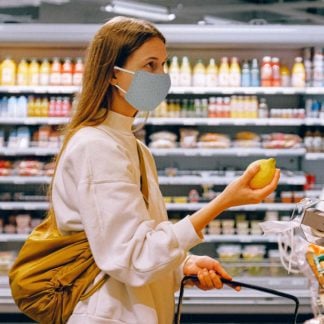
x: 208, y: 270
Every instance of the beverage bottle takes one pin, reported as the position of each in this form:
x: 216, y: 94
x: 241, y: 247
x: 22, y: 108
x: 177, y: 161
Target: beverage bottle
x: 51, y: 107
x: 66, y: 107
x: 246, y: 75
x: 266, y: 72
x: 12, y: 107
x: 66, y: 76
x: 284, y: 76
x: 37, y: 107
x: 22, y: 73
x: 174, y: 72
x: 58, y: 107
x: 44, y: 107
x: 8, y: 72
x: 275, y: 66
x: 4, y: 107
x: 78, y: 72
x: 199, y: 74
x: 44, y: 72
x: 22, y: 106
x: 56, y: 70
x: 255, y: 73
x: 211, y: 74
x: 226, y: 107
x: 33, y: 73
x: 30, y: 106
x: 234, y: 73
x: 254, y: 107
x: 308, y: 66
x: 223, y: 74
x: 318, y: 68
x: 185, y: 73
x: 263, y: 110
x: 298, y: 75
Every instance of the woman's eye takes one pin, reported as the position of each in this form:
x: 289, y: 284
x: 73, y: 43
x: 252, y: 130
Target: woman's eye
x: 150, y: 65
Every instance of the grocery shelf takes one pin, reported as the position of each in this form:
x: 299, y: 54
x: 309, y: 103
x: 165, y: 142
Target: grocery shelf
x: 314, y: 156
x: 254, y: 207
x: 40, y: 151
x: 25, y: 180
x: 34, y: 120
x: 23, y: 205
x: 231, y: 151
x: 40, y: 89
x: 13, y: 237
x: 222, y: 238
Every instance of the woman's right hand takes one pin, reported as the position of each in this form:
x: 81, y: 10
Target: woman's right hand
x: 239, y: 192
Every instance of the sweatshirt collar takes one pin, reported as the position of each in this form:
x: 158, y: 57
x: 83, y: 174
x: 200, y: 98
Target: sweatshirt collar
x: 119, y: 122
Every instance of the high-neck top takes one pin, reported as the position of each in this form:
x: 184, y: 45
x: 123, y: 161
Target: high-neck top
x: 119, y: 122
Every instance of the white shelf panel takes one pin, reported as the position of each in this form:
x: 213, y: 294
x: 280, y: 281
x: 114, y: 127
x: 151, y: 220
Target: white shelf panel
x: 28, y: 151
x: 13, y: 237
x: 228, y: 152
x: 314, y: 122
x: 240, y: 238
x: 25, y: 180
x: 40, y: 89
x: 254, y: 207
x: 24, y: 205
x: 314, y: 156
x: 34, y: 120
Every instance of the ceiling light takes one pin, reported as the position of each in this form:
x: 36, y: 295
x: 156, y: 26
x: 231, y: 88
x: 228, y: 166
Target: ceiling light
x: 26, y: 3
x: 136, y: 9
x: 211, y: 20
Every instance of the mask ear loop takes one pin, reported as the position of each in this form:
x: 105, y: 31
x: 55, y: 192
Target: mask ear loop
x: 142, y: 124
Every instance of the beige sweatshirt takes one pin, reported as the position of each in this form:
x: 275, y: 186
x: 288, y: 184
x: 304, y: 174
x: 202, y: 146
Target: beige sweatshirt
x: 97, y: 189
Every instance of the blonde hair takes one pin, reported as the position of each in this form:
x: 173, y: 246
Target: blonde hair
x: 115, y: 41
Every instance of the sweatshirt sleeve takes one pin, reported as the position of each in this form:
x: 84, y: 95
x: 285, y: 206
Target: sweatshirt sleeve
x: 126, y: 243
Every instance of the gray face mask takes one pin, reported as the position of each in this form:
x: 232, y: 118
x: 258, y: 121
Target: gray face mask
x: 147, y: 90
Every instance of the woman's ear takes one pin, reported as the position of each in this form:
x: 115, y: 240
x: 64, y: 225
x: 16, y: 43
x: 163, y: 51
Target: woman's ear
x: 113, y: 80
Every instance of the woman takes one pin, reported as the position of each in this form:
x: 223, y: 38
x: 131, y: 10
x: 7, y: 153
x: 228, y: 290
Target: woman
x: 97, y: 185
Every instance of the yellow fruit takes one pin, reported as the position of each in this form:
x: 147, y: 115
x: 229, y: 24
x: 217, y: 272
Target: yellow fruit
x: 265, y: 174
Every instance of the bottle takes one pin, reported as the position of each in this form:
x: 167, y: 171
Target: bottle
x: 284, y: 76
x: 223, y: 74
x: 298, y: 75
x: 66, y: 76
x: 174, y: 72
x: 37, y: 107
x: 22, y: 106
x: 246, y: 75
x: 44, y: 72
x: 266, y: 72
x: 234, y: 73
x: 211, y: 74
x: 33, y: 73
x: 30, y: 106
x: 44, y: 107
x: 308, y: 66
x: 51, y: 107
x: 66, y: 107
x: 263, y: 111
x: 318, y: 68
x: 8, y: 72
x: 22, y: 73
x: 78, y: 72
x: 255, y: 73
x: 56, y: 70
x: 199, y: 74
x: 185, y: 73
x: 12, y: 107
x: 275, y: 66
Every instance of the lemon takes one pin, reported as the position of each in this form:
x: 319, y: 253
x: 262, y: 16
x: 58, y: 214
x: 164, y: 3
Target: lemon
x: 265, y: 174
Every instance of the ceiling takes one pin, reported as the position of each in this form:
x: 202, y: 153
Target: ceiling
x: 217, y: 12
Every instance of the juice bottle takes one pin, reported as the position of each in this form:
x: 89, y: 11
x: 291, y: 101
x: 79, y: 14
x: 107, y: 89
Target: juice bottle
x: 22, y: 106
x: 298, y: 74
x: 284, y: 76
x: 78, y: 72
x: 275, y: 66
x: 223, y: 74
x: 22, y: 73
x: 66, y: 76
x: 51, y: 107
x: 8, y: 72
x: 199, y: 74
x: 211, y: 74
x: 246, y: 75
x: 255, y: 73
x: 66, y: 107
x: 30, y: 106
x: 44, y: 72
x: 185, y: 73
x: 174, y: 72
x: 33, y: 73
x: 235, y: 73
x: 44, y: 107
x: 266, y: 72
x: 37, y: 107
x: 308, y: 66
x: 317, y: 68
x: 56, y: 70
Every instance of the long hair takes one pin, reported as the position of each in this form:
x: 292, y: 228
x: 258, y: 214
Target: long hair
x: 115, y: 41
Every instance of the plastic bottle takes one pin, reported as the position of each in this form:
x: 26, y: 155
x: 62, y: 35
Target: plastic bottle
x: 246, y: 75
x: 8, y: 72
x: 223, y: 74
x: 78, y: 72
x: 44, y: 107
x: 4, y: 107
x: 12, y: 107
x: 298, y: 75
x: 284, y: 76
x: 255, y: 73
x: 308, y: 66
x: 51, y: 107
x: 56, y: 70
x: 33, y: 73
x: 44, y: 72
x: 263, y: 111
x: 174, y: 72
x: 66, y: 76
x: 185, y: 73
x: 199, y: 74
x: 22, y: 73
x: 212, y: 74
x: 318, y: 68
x: 275, y: 66
x: 37, y: 107
x: 266, y: 72
x: 22, y: 106
x: 235, y: 73
x: 30, y: 107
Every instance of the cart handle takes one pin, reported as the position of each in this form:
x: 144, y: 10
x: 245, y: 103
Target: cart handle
x: 235, y: 284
